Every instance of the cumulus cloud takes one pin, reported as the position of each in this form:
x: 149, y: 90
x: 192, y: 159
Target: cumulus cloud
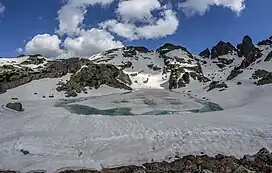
x: 91, y: 42
x: 45, y: 44
x: 192, y: 7
x: 167, y: 24
x: 135, y: 19
x: 137, y: 9
x: 71, y: 15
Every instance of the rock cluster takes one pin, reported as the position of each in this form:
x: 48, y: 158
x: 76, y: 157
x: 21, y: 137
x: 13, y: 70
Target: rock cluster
x: 265, y: 42
x: 259, y: 163
x: 217, y: 84
x: 93, y: 76
x: 264, y: 77
x: 34, y: 59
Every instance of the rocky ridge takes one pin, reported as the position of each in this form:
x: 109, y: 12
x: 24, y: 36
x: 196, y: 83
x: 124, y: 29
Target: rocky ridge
x: 12, y: 76
x: 170, y: 66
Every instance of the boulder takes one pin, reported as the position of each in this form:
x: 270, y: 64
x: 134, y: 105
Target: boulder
x: 17, y: 106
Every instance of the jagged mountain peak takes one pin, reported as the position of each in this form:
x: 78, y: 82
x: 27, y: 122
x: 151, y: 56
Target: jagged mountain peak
x: 205, y: 53
x: 222, y: 48
x: 265, y: 42
x: 167, y: 47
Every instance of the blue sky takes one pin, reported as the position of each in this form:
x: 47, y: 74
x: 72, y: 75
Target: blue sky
x: 22, y: 20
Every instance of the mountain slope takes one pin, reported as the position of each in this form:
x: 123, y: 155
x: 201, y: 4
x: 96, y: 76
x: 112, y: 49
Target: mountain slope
x: 221, y: 106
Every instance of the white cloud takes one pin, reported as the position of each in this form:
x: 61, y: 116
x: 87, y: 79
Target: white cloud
x: 2, y: 8
x: 20, y: 50
x: 44, y: 44
x: 137, y: 9
x: 71, y: 15
x: 90, y: 42
x: 166, y: 25
x: 192, y: 7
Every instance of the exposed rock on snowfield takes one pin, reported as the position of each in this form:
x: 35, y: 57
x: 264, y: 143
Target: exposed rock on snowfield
x: 217, y: 84
x: 234, y: 73
x: 266, y: 77
x: 93, y: 76
x: 17, y: 106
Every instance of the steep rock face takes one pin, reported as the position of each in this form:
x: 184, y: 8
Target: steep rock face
x: 222, y: 48
x: 205, y: 53
x: 268, y: 57
x: 234, y: 73
x: 249, y: 51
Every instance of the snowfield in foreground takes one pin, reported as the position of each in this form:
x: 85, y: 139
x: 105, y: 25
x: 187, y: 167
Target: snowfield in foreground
x: 50, y: 137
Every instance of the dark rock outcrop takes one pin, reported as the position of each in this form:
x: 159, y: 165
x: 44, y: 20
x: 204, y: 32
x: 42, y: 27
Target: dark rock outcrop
x: 205, y: 53
x: 234, y: 73
x: 17, y: 106
x: 34, y: 59
x: 173, y: 81
x: 222, y: 48
x: 268, y: 57
x: 249, y: 51
x: 264, y: 77
x: 94, y: 76
x: 265, y: 42
x: 246, y: 47
x: 186, y: 77
x: 11, y: 76
x: 217, y: 84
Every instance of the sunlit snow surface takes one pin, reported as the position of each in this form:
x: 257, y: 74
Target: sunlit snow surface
x: 57, y: 138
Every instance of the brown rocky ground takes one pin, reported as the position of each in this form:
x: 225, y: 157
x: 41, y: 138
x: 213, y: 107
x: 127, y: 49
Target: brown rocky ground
x: 258, y: 163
